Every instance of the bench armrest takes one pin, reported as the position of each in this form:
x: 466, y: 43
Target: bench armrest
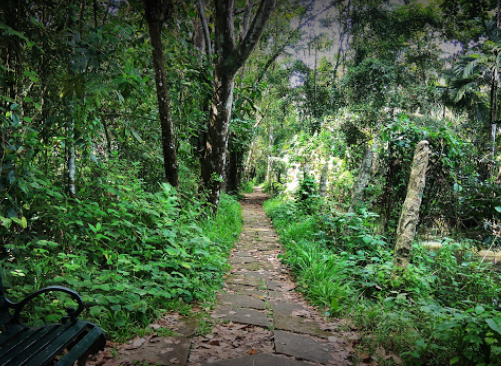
x: 72, y: 313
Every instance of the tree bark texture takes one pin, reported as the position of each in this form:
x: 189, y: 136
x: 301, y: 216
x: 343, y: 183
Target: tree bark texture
x: 234, y: 168
x: 205, y: 28
x: 362, y: 179
x: 229, y: 59
x: 410, y: 210
x: 322, y: 186
x: 158, y: 11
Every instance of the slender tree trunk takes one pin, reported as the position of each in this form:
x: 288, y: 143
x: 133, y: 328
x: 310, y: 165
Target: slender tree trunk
x: 205, y: 28
x: 322, y: 186
x: 270, y: 155
x: 158, y: 11
x: 494, y: 126
x: 71, y: 124
x: 410, y: 210
x: 234, y: 156
x: 362, y: 179
x: 233, y: 169
x: 247, y: 167
x: 229, y: 59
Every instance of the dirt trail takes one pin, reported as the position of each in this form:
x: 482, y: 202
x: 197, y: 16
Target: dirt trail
x: 260, y: 320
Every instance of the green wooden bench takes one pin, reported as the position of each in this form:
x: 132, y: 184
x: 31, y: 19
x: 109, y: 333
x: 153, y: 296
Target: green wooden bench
x: 56, y: 344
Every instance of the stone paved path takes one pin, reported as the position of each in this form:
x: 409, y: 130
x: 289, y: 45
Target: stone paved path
x: 260, y: 320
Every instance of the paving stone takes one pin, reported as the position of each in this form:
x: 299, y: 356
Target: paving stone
x: 244, y: 280
x: 304, y: 347
x: 253, y: 266
x: 298, y: 325
x: 276, y: 296
x: 264, y: 247
x: 261, y: 359
x: 236, y: 260
x: 160, y: 351
x: 276, y: 285
x: 246, y: 245
x: 244, y: 316
x: 188, y: 326
x: 284, y: 308
x: 242, y: 254
x: 239, y: 289
x: 243, y: 301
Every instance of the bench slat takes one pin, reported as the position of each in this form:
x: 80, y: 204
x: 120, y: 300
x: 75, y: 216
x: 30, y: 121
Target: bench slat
x: 83, y: 347
x: 65, y: 338
x: 11, y: 332
x: 17, y: 349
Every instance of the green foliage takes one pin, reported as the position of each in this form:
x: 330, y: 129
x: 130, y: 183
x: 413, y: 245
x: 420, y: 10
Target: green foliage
x: 247, y: 187
x: 444, y: 307
x: 130, y: 253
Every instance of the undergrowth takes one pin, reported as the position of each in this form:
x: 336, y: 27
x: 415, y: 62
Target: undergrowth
x: 131, y: 253
x: 442, y: 311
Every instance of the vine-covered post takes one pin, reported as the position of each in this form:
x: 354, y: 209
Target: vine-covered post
x: 410, y: 210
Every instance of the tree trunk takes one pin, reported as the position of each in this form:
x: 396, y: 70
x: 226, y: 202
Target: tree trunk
x: 158, y: 11
x: 229, y: 59
x: 362, y: 179
x: 322, y: 186
x: 270, y: 155
x: 205, y: 28
x: 217, y: 137
x: 410, y: 210
x: 247, y: 167
x: 233, y: 169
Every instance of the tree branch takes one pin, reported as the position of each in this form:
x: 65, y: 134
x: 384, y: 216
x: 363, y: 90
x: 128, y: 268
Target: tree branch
x: 225, y: 29
x: 256, y: 29
x: 205, y: 27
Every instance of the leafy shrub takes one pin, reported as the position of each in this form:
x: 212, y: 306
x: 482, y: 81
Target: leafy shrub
x: 440, y: 311
x: 247, y: 187
x: 131, y: 253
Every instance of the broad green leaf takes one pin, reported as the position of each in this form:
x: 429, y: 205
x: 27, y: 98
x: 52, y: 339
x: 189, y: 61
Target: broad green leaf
x: 494, y: 324
x: 6, y: 222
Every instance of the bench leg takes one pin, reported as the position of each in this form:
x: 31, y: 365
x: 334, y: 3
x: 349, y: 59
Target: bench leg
x: 82, y: 361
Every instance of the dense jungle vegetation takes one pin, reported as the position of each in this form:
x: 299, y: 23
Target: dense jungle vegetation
x: 128, y: 129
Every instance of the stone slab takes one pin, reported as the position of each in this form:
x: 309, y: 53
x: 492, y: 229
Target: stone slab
x: 244, y: 316
x: 298, y: 325
x: 159, y: 351
x: 244, y: 280
x: 261, y: 359
x: 246, y: 245
x: 242, y: 301
x: 276, y: 286
x: 236, y: 260
x: 242, y: 253
x: 304, y: 347
x: 188, y: 326
x: 276, y: 296
x: 253, y: 266
x: 264, y: 247
x: 284, y: 307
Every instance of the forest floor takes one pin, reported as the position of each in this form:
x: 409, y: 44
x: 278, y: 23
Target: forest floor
x: 259, y: 319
